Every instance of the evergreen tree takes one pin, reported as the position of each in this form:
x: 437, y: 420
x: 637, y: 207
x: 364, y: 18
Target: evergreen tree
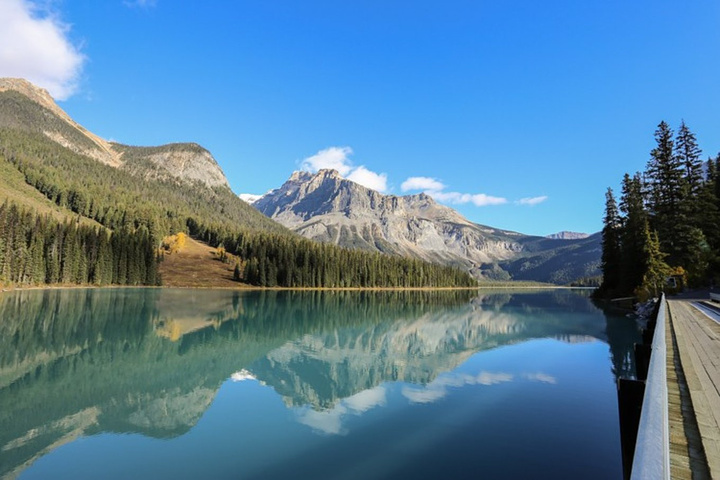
x: 689, y: 157
x: 236, y: 272
x: 37, y: 249
x: 633, y: 238
x: 664, y: 179
x: 611, y: 253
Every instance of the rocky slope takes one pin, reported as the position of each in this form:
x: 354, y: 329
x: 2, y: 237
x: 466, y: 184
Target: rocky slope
x: 183, y: 161
x: 328, y: 208
x: 565, y: 235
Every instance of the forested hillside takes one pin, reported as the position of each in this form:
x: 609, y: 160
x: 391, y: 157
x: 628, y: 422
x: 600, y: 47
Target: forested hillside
x: 272, y: 260
x: 129, y: 191
x: 38, y: 249
x: 115, y: 197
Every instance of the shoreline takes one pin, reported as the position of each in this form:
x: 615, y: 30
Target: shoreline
x: 9, y: 288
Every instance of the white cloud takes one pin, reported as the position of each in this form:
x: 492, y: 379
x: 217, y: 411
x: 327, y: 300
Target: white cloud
x: 369, y: 179
x: 541, y: 377
x: 438, y: 388
x: 531, y: 201
x: 481, y: 200
x: 436, y: 189
x: 330, y: 421
x: 250, y: 197
x: 478, y: 199
x: 429, y: 395
x: 367, y: 399
x: 422, y: 183
x: 34, y: 45
x: 326, y: 421
x: 242, y: 376
x: 337, y: 158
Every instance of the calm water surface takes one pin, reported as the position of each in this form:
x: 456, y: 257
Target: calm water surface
x: 161, y: 383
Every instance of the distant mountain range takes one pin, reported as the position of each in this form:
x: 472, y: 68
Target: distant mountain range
x: 53, y: 165
x: 329, y: 208
x: 564, y: 235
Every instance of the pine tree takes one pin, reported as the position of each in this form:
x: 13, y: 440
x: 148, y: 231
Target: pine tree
x: 236, y: 272
x: 688, y: 156
x: 633, y: 264
x: 664, y: 178
x: 611, y: 253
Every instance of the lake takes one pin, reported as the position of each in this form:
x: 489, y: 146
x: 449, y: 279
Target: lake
x: 164, y: 383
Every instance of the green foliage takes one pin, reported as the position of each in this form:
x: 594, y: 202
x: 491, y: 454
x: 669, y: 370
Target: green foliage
x: 670, y: 214
x: 657, y: 271
x: 114, y: 197
x: 273, y: 260
x: 38, y: 249
x: 611, y: 236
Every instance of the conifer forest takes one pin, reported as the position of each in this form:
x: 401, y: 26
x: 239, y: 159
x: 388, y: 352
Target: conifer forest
x: 666, y: 222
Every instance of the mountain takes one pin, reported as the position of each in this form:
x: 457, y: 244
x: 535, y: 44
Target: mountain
x: 183, y: 161
x: 328, y: 208
x: 79, y: 171
x: 557, y: 261
x: 51, y: 164
x: 565, y: 235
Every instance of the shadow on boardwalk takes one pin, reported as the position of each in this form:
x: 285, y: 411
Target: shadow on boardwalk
x: 696, y: 344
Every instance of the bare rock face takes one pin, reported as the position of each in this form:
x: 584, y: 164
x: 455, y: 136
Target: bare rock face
x: 565, y: 235
x: 326, y: 207
x: 181, y: 161
x: 185, y: 161
x: 192, y: 166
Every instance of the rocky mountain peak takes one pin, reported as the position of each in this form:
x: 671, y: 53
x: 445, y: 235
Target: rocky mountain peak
x: 183, y: 161
x: 34, y: 93
x: 326, y: 207
x: 90, y: 144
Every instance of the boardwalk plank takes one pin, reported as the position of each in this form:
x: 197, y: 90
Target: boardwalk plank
x: 698, y: 341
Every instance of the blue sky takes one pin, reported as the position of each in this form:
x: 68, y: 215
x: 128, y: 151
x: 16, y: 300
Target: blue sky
x: 519, y: 114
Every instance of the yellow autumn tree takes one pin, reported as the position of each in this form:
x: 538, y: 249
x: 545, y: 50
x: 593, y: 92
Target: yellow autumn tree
x: 174, y: 243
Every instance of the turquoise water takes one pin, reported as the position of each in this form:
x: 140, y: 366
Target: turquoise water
x: 162, y: 383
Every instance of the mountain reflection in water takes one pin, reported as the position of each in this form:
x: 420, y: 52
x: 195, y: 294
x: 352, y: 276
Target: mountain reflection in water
x: 81, y: 362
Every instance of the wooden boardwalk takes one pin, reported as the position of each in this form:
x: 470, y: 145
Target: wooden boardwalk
x: 694, y: 392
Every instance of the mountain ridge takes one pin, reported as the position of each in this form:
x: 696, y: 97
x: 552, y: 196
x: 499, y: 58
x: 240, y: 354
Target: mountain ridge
x: 567, y: 235
x: 45, y: 152
x: 326, y: 207
x: 154, y: 193
x: 184, y: 161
